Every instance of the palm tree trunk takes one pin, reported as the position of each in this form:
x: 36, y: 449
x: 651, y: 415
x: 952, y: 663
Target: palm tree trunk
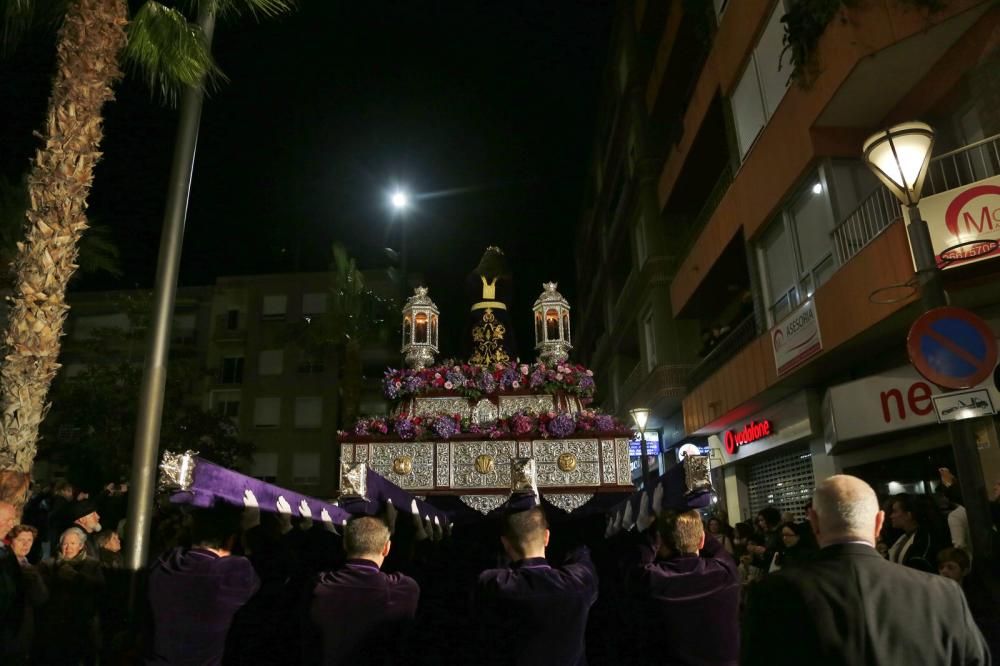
x: 87, y: 66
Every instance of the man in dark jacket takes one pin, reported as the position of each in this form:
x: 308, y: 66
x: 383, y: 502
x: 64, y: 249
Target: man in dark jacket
x: 532, y: 612
x: 916, y: 547
x: 12, y: 589
x: 850, y: 606
x: 194, y: 592
x: 361, y: 614
x: 678, y: 590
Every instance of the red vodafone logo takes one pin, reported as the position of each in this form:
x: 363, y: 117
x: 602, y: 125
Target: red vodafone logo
x: 974, y: 212
x: 751, y: 432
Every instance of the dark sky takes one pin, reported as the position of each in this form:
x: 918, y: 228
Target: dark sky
x: 325, y: 108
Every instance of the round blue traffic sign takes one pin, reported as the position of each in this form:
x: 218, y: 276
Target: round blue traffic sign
x: 952, y: 347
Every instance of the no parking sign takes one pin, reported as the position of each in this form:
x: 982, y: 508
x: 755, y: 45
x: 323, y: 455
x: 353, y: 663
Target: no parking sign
x: 952, y: 347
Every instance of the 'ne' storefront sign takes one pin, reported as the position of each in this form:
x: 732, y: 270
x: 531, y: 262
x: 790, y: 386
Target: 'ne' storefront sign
x: 751, y: 432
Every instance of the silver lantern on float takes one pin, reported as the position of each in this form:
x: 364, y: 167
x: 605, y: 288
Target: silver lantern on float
x: 420, y: 330
x: 552, y: 333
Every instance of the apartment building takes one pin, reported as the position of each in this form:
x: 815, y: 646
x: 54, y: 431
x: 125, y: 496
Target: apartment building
x: 247, y: 335
x: 784, y: 262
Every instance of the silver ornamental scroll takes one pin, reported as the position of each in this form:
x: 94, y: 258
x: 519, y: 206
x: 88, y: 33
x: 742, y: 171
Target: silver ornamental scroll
x: 386, y: 458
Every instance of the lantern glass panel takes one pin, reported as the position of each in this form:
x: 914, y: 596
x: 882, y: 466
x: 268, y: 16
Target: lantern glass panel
x: 434, y: 330
x: 420, y: 328
x: 551, y: 325
x: 406, y: 330
x: 538, y: 327
x: 566, y: 326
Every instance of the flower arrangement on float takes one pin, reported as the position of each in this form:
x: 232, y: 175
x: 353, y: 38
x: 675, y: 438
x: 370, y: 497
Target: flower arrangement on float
x: 522, y: 424
x: 474, y: 382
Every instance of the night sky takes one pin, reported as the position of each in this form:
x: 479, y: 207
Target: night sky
x: 491, y: 105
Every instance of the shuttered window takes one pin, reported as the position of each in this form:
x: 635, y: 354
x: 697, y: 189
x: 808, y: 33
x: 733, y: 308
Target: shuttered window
x: 784, y: 481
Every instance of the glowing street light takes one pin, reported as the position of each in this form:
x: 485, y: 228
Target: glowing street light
x: 640, y: 415
x: 399, y: 200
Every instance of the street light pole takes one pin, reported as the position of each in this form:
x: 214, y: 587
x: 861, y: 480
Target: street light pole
x: 640, y: 416
x: 899, y: 156
x: 400, y: 202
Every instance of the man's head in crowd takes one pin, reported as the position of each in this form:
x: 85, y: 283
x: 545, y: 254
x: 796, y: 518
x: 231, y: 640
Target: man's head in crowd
x: 84, y: 515
x: 904, y: 513
x: 954, y: 563
x: 63, y: 488
x: 680, y: 533
x: 367, y: 538
x: 845, y: 508
x: 525, y: 534
x: 109, y: 540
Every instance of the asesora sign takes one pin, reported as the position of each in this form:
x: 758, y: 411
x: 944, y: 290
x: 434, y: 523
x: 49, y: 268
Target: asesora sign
x: 795, y: 339
x: 751, y: 432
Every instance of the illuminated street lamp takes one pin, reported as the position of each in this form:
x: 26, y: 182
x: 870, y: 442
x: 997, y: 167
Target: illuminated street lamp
x: 399, y: 202
x: 899, y: 156
x: 640, y: 415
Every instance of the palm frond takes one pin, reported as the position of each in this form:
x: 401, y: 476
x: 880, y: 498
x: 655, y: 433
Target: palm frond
x: 259, y: 9
x: 98, y: 252
x: 17, y: 17
x: 168, y: 51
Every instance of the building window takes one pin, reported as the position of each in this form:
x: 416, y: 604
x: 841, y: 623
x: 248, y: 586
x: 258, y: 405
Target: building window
x: 308, y: 412
x: 763, y: 83
x: 232, y: 319
x: 273, y: 307
x: 641, y: 251
x: 225, y: 403
x: 649, y: 340
x: 271, y: 362
x: 310, y: 364
x: 313, y: 303
x: 183, y: 328
x: 91, y: 326
x: 305, y: 469
x: 267, y: 412
x: 795, y: 252
x: 232, y: 370
x: 265, y: 467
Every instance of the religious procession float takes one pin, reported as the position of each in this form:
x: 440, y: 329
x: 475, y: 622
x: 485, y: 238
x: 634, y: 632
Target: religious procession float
x: 480, y: 428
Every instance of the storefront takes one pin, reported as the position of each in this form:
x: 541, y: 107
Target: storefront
x: 890, y: 429
x: 767, y: 458
x: 653, y: 453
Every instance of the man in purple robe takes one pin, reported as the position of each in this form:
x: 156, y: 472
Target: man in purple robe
x: 532, y: 612
x: 689, y: 580
x: 358, y: 613
x: 195, y: 592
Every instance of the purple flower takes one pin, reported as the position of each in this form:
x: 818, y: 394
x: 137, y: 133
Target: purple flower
x: 412, y: 384
x: 455, y: 376
x: 562, y: 425
x: 486, y: 383
x: 509, y: 377
x: 537, y: 378
x: 361, y: 427
x: 404, y: 428
x: 445, y: 427
x: 604, y: 423
x: 586, y: 384
x: 390, y: 389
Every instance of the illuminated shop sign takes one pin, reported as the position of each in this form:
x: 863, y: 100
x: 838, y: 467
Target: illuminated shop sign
x: 751, y: 432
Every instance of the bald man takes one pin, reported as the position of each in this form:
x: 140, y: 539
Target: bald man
x: 850, y: 606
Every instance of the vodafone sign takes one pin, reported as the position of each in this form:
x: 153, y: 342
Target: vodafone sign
x: 964, y: 223
x: 733, y: 439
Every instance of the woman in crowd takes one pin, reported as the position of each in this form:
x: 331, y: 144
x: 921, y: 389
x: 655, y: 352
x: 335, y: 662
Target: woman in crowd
x: 69, y: 620
x: 798, y: 545
x: 720, y: 531
x: 22, y: 539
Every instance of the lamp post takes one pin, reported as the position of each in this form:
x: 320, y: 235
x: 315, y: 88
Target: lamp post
x: 639, y: 416
x: 399, y: 201
x: 899, y: 157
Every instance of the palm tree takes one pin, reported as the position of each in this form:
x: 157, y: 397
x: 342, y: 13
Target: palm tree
x: 95, y: 39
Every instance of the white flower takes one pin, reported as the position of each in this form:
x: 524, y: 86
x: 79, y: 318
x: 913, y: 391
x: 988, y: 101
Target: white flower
x: 559, y: 377
x: 515, y: 384
x: 449, y: 385
x: 437, y: 375
x: 524, y: 370
x: 590, y: 373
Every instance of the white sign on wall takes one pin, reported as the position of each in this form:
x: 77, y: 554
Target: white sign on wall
x: 795, y: 339
x: 966, y: 220
x: 894, y: 400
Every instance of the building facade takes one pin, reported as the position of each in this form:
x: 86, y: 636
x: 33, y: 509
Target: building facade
x: 788, y: 279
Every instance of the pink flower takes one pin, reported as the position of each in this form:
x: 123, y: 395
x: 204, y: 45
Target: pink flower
x: 590, y: 373
x: 559, y: 377
x: 515, y: 384
x: 449, y: 385
x: 524, y: 370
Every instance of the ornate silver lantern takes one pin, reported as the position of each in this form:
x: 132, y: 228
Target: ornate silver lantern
x: 420, y: 330
x: 552, y: 334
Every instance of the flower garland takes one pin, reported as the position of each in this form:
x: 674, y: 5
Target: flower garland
x: 473, y: 381
x: 521, y: 424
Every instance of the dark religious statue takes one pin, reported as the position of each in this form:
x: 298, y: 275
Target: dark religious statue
x: 490, y: 338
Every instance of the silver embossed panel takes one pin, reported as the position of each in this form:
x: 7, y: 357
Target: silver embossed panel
x: 445, y: 405
x: 624, y: 472
x: 567, y: 462
x: 608, y: 461
x: 421, y: 475
x: 511, y: 404
x: 442, y: 473
x: 482, y: 464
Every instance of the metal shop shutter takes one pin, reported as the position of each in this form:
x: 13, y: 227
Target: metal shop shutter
x: 783, y: 481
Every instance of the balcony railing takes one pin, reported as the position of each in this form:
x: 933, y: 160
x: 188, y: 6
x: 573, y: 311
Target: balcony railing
x: 689, y: 233
x: 956, y: 168
x: 869, y: 219
x: 742, y: 334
